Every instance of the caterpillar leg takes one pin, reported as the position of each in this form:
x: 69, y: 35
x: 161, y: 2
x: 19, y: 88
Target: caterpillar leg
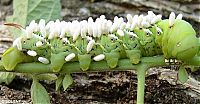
x: 57, y: 61
x: 134, y: 56
x: 84, y: 61
x: 112, y: 58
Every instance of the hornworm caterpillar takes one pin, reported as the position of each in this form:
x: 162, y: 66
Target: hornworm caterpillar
x: 101, y: 39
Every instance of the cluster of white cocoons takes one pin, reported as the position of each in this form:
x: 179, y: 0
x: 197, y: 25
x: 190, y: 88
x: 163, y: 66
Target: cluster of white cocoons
x: 88, y: 29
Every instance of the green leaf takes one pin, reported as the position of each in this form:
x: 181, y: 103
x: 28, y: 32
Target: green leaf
x: 39, y: 95
x: 49, y: 77
x: 182, y: 74
x: 67, y: 81
x: 6, y: 77
x: 59, y: 81
x: 27, y: 10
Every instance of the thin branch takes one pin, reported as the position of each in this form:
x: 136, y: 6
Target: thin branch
x: 123, y: 64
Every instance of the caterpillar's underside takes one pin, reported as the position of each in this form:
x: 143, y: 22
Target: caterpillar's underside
x: 58, y: 42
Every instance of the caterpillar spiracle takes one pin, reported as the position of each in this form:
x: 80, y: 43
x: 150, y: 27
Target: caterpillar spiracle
x: 59, y: 42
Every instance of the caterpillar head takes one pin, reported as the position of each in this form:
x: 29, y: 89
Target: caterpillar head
x: 12, y: 57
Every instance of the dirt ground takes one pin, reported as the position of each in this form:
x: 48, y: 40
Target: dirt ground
x: 105, y: 88
x: 161, y: 86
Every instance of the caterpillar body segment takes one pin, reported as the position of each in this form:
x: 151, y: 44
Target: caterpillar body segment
x: 59, y: 42
x: 146, y: 41
x: 173, y: 36
x: 56, y: 54
x: 132, y: 47
x: 12, y: 57
x: 156, y: 32
x: 163, y: 37
x: 183, y: 50
x: 186, y: 44
x: 199, y: 47
x: 84, y: 57
x: 30, y: 44
x: 113, y: 49
x: 59, y: 51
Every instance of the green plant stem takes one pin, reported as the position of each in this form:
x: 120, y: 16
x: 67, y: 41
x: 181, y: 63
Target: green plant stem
x: 71, y: 67
x: 141, y: 71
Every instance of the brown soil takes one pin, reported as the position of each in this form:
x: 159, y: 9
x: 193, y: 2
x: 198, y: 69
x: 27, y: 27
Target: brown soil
x: 102, y: 88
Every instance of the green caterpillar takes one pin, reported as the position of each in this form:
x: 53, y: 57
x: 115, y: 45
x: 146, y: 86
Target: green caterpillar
x: 59, y: 42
